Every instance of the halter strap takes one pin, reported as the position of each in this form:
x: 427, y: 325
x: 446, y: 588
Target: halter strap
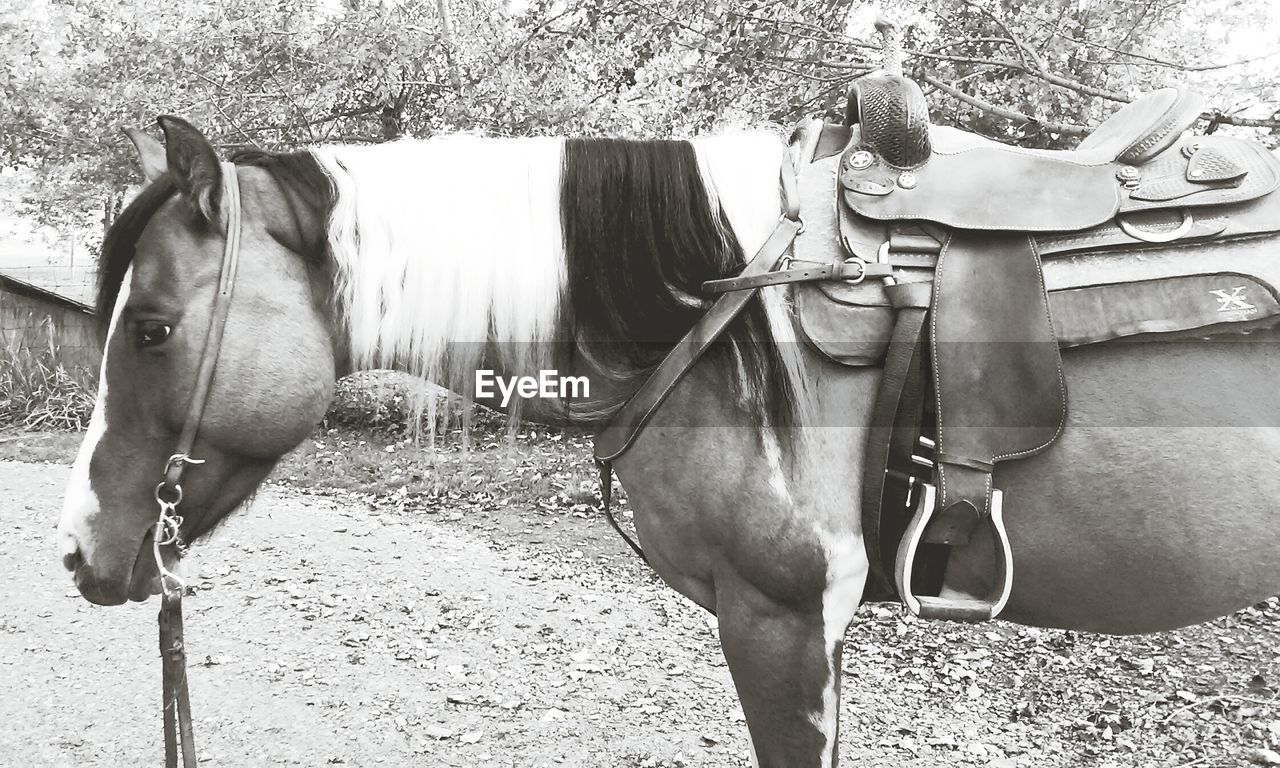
x: 212, y: 342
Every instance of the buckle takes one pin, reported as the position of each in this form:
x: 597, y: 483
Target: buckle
x: 853, y: 261
x: 954, y: 609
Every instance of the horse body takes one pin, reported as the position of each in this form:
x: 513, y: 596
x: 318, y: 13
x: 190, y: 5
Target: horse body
x: 1120, y: 527
x: 1128, y: 523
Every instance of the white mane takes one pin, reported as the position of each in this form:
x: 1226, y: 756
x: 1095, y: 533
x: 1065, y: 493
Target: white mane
x: 445, y: 244
x: 451, y: 248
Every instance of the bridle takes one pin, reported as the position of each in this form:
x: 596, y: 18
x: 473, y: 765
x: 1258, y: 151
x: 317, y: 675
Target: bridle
x: 168, y: 495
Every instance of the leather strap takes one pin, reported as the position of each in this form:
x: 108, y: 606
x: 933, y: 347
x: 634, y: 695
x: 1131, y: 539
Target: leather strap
x: 213, y: 336
x: 895, y: 427
x: 626, y: 424
x: 998, y: 378
x: 606, y: 502
x: 177, y: 699
x: 854, y: 270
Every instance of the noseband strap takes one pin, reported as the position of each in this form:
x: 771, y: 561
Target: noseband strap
x: 177, y: 701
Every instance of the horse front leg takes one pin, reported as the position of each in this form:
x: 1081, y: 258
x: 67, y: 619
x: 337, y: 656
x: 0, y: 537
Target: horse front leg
x: 785, y: 661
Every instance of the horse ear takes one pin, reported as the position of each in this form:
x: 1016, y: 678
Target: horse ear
x: 193, y: 164
x: 150, y: 153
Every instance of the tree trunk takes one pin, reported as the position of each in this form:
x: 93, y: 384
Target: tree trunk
x: 446, y: 32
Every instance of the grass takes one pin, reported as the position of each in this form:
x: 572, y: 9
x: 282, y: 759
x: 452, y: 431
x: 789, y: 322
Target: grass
x: 37, y: 392
x: 532, y: 466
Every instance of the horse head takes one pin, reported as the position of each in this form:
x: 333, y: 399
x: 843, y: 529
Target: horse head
x: 274, y: 371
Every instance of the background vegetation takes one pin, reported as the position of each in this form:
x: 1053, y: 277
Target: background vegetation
x: 281, y: 73
x: 278, y: 73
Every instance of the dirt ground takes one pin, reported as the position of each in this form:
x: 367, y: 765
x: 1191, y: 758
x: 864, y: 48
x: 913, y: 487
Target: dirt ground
x: 325, y: 633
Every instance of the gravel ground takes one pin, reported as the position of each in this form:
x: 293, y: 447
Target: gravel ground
x: 322, y: 632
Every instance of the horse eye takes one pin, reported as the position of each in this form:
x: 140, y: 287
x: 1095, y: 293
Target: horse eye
x: 152, y: 333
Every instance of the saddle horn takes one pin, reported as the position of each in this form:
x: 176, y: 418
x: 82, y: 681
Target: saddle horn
x: 893, y: 116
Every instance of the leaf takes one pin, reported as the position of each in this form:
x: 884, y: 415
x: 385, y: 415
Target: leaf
x: 1262, y: 756
x: 438, y: 732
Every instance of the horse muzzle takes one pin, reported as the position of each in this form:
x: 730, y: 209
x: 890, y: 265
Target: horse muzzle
x: 137, y: 581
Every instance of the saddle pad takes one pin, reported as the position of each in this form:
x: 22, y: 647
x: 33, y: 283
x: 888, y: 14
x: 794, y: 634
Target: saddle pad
x: 1217, y: 302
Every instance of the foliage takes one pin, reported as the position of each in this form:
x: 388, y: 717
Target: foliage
x: 277, y: 73
x: 38, y: 392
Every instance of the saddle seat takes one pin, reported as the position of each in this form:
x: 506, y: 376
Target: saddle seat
x: 1142, y: 129
x: 1134, y: 135
x: 992, y: 258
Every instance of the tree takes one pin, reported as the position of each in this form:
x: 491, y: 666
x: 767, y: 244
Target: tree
x: 279, y: 73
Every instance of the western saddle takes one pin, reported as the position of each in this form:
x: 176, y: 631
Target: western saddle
x: 962, y: 266
x: 991, y: 259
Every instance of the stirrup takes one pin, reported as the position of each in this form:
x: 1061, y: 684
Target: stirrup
x: 954, y: 609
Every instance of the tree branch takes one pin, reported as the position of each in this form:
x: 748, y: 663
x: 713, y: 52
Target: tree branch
x: 986, y: 106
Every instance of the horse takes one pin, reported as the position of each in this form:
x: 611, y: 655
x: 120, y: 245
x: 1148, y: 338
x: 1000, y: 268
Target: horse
x: 455, y: 254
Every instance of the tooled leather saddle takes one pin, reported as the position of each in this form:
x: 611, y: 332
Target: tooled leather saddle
x: 989, y: 259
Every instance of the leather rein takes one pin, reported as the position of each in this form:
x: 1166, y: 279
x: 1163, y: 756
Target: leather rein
x: 734, y: 296
x: 168, y: 495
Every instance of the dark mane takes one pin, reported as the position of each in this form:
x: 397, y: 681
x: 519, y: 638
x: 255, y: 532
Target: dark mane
x: 305, y: 186
x: 640, y: 239
x: 297, y: 172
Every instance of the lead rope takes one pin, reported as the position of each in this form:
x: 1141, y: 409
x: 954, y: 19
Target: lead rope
x: 173, y: 653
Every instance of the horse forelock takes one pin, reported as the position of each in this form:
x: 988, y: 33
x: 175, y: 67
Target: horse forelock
x: 121, y: 241
x: 296, y: 172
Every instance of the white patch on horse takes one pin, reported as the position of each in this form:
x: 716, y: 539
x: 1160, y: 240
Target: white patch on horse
x: 81, y: 504
x: 777, y: 477
x: 445, y: 244
x: 847, y: 568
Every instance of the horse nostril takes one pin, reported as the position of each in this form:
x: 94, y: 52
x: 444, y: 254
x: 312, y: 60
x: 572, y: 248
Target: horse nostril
x: 72, y: 560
